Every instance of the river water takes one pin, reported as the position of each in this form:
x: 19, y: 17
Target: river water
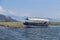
x: 50, y: 33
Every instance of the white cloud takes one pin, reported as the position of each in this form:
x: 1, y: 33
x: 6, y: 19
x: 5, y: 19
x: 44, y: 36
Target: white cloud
x: 13, y: 13
x: 1, y: 9
x: 5, y: 11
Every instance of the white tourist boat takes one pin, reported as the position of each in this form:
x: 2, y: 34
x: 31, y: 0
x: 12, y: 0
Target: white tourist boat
x: 36, y: 22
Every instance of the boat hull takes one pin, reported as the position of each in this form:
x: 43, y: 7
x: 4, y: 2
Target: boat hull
x: 35, y: 24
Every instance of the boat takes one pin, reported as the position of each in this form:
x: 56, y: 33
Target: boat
x: 36, y: 22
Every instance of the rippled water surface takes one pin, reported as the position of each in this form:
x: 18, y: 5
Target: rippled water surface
x: 50, y: 33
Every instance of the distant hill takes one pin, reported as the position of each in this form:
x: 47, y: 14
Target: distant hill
x: 21, y: 19
x: 51, y: 19
x: 6, y: 18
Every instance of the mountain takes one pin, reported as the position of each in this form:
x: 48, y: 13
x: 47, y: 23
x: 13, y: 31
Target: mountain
x: 22, y: 19
x: 50, y: 19
x: 6, y: 18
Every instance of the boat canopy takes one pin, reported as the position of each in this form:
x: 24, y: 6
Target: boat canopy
x: 37, y: 19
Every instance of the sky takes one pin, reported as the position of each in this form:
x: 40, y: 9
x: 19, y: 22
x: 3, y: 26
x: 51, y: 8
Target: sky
x: 31, y: 8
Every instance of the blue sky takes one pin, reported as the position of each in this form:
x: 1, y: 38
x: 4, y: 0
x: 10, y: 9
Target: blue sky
x: 31, y: 8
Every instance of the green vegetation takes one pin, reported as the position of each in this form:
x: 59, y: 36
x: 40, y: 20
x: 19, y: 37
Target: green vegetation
x: 20, y: 24
x: 55, y: 23
x: 12, y: 24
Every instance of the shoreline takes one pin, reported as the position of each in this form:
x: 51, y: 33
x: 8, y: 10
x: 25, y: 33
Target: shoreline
x: 21, y: 25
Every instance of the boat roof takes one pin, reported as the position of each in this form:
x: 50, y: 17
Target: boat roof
x: 38, y: 19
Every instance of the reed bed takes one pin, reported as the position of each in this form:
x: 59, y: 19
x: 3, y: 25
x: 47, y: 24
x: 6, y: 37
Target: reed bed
x: 55, y: 23
x: 20, y: 24
x: 12, y: 24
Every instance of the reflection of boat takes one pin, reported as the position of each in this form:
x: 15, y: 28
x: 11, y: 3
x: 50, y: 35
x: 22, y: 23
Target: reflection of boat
x: 36, y: 22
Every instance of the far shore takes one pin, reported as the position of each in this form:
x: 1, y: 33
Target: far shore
x: 55, y: 23
x: 20, y: 24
